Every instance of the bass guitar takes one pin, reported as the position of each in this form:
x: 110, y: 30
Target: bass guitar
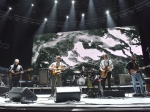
x: 10, y: 74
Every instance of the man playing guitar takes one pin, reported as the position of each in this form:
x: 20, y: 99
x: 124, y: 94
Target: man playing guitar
x: 133, y: 69
x: 106, y: 67
x: 56, y: 69
x: 14, y: 79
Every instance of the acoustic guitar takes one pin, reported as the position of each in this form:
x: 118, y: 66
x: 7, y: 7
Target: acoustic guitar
x: 57, y: 70
x: 104, y: 73
x: 10, y: 74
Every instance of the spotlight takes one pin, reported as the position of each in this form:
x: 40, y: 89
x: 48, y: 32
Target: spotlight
x: 107, y: 12
x: 67, y: 17
x: 32, y: 5
x: 10, y: 8
x: 73, y: 1
x: 55, y: 1
x: 83, y: 15
x: 45, y: 19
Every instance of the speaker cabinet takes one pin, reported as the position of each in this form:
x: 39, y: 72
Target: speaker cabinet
x: 63, y: 94
x: 112, y: 81
x: 125, y: 79
x: 116, y: 93
x: 3, y: 90
x: 17, y: 93
x: 147, y: 82
x: 43, y: 76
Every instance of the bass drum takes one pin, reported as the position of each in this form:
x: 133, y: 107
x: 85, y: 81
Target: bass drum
x: 81, y: 81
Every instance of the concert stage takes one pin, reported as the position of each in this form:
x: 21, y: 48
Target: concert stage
x: 44, y: 102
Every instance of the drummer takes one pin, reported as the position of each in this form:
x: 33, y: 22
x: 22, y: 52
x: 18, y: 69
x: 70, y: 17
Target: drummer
x: 83, y: 72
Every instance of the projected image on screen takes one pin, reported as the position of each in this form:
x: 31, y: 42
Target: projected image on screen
x: 79, y: 48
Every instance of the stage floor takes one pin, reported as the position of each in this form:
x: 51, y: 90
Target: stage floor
x: 45, y: 102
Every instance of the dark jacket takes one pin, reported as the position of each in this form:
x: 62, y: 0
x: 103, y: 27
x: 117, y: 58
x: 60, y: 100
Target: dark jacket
x: 132, y: 65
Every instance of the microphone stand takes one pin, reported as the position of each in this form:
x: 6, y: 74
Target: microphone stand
x: 148, y: 52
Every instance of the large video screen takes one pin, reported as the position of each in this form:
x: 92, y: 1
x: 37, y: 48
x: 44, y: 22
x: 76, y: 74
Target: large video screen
x: 78, y: 48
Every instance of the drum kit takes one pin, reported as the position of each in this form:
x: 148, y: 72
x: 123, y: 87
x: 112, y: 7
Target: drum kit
x: 87, y: 79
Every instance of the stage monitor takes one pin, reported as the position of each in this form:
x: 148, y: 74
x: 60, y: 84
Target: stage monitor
x: 17, y: 93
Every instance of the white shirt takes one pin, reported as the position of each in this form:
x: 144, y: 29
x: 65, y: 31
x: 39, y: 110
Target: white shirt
x: 105, y: 63
x: 57, y: 64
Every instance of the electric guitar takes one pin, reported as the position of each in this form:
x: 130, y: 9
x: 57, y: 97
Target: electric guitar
x: 10, y: 74
x: 136, y: 69
x: 57, y: 70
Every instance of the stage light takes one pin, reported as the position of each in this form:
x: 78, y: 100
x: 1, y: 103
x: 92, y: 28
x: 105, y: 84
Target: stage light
x: 45, y: 19
x: 73, y: 1
x: 55, y: 1
x: 83, y: 15
x: 67, y: 17
x: 32, y: 5
x: 10, y: 8
x: 107, y: 12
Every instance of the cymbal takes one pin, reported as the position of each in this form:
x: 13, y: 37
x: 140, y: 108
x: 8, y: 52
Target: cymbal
x: 77, y: 72
x: 93, y: 70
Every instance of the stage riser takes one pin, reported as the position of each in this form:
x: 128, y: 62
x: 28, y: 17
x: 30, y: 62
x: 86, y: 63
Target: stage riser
x: 114, y: 93
x: 84, y: 90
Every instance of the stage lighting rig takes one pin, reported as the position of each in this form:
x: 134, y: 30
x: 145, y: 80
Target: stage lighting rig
x: 45, y: 19
x: 107, y: 12
x: 73, y: 1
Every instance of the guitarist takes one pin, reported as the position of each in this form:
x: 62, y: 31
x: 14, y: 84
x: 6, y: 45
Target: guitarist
x: 133, y: 67
x: 14, y: 79
x: 106, y: 65
x: 58, y: 76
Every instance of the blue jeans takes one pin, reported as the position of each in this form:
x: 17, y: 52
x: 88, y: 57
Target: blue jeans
x: 138, y: 77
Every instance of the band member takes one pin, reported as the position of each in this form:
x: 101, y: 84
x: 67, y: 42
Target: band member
x: 83, y: 72
x: 106, y: 66
x: 132, y: 67
x: 57, y: 68
x: 14, y: 79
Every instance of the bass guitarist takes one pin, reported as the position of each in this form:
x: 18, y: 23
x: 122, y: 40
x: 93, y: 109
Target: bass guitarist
x: 56, y: 69
x: 133, y: 68
x: 106, y: 66
x: 14, y: 79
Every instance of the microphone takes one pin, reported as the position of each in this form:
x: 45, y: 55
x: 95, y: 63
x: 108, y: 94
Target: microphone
x: 147, y: 49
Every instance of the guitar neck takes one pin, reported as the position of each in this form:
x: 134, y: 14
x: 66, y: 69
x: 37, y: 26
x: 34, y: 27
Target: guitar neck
x: 20, y: 72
